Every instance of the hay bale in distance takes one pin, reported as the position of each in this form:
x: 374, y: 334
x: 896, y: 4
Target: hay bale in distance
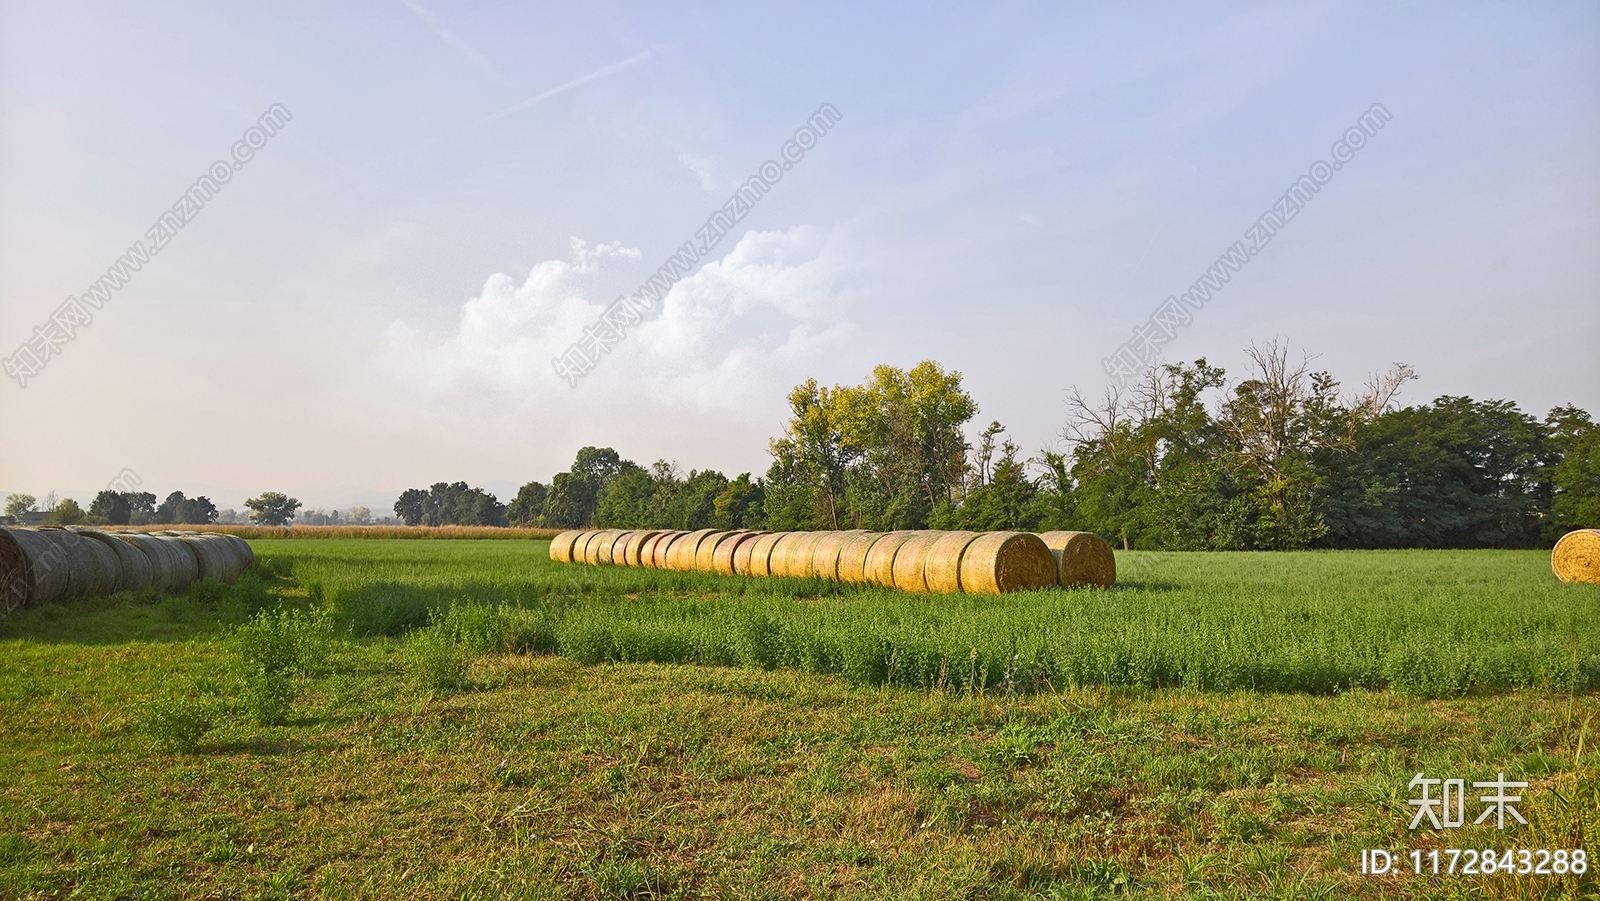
x: 1000, y: 562
x: 134, y: 570
x: 580, y: 545
x: 619, y: 549
x: 878, y: 568
x: 942, y: 568
x: 1082, y: 558
x: 650, y: 553
x: 824, y: 562
x: 759, y: 562
x: 598, y: 551
x: 681, y: 557
x: 1576, y: 557
x: 216, y: 557
x: 33, y: 568
x: 705, y: 556
x: 728, y: 548
x: 91, y: 566
x: 242, y: 550
x: 663, y: 549
x: 911, y: 561
x: 633, y: 547
x: 171, y: 568
x: 561, y: 545
x: 853, y: 557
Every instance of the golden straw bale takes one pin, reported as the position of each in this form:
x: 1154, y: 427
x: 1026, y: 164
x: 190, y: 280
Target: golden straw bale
x: 879, y: 566
x: 1082, y: 558
x: 825, y: 556
x: 728, y: 549
x: 796, y: 557
x: 760, y: 562
x: 591, y: 550
x: 633, y: 551
x: 999, y: 562
x: 911, y: 561
x: 663, y: 547
x: 705, y: 556
x: 580, y: 547
x: 853, y: 557
x: 618, y: 547
x: 942, y: 568
x: 1576, y: 557
x: 681, y: 557
x: 561, y: 546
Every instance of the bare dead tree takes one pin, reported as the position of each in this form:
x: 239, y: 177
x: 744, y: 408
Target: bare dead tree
x: 1381, y: 390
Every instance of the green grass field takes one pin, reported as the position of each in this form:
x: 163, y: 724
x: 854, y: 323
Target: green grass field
x: 1219, y: 725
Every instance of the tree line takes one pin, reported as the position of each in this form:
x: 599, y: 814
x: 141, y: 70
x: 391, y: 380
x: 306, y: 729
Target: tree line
x: 1187, y: 459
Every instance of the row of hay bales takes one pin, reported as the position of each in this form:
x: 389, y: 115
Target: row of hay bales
x: 1576, y: 557
x: 921, y: 561
x: 42, y: 565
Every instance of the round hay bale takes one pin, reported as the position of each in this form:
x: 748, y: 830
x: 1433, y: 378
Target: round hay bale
x: 91, y: 566
x: 600, y: 543
x: 738, y: 555
x: 134, y: 571
x: 1576, y: 557
x: 853, y: 557
x: 580, y: 545
x: 184, y: 558
x: 878, y: 568
x: 33, y: 568
x: 1082, y: 558
x: 627, y: 554
x: 999, y: 562
x: 561, y: 545
x: 681, y: 556
x: 217, y: 560
x: 652, y: 545
x: 705, y: 556
x: 663, y: 547
x: 168, y: 570
x: 242, y: 550
x: 911, y: 561
x: 824, y: 562
x: 619, y: 548
x: 722, y: 558
x: 942, y: 569
x: 760, y: 560
x: 791, y: 557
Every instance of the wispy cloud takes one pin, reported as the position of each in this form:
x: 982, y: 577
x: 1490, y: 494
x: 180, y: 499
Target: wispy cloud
x: 451, y: 38
x: 628, y: 63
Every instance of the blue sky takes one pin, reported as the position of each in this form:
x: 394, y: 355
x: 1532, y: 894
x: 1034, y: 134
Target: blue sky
x: 372, y: 302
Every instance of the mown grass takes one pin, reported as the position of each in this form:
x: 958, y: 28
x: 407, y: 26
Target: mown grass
x: 538, y: 776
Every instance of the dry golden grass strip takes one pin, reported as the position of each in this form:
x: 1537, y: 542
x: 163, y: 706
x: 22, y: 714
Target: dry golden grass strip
x: 879, y: 566
x: 942, y: 568
x: 561, y: 545
x: 853, y: 557
x: 911, y: 561
x: 1576, y: 557
x: 1000, y: 562
x: 760, y: 560
x: 1082, y: 558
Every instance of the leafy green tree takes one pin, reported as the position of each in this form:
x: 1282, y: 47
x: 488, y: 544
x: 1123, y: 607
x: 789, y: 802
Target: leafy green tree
x: 739, y: 505
x: 66, y: 513
x: 272, y: 508
x: 527, y: 505
x: 458, y: 504
x: 18, y: 504
x: 570, y: 502
x: 409, y: 507
x: 1575, y: 480
x: 625, y: 503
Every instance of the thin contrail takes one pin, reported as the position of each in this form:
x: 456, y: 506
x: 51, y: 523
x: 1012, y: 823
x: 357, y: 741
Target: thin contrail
x: 633, y: 60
